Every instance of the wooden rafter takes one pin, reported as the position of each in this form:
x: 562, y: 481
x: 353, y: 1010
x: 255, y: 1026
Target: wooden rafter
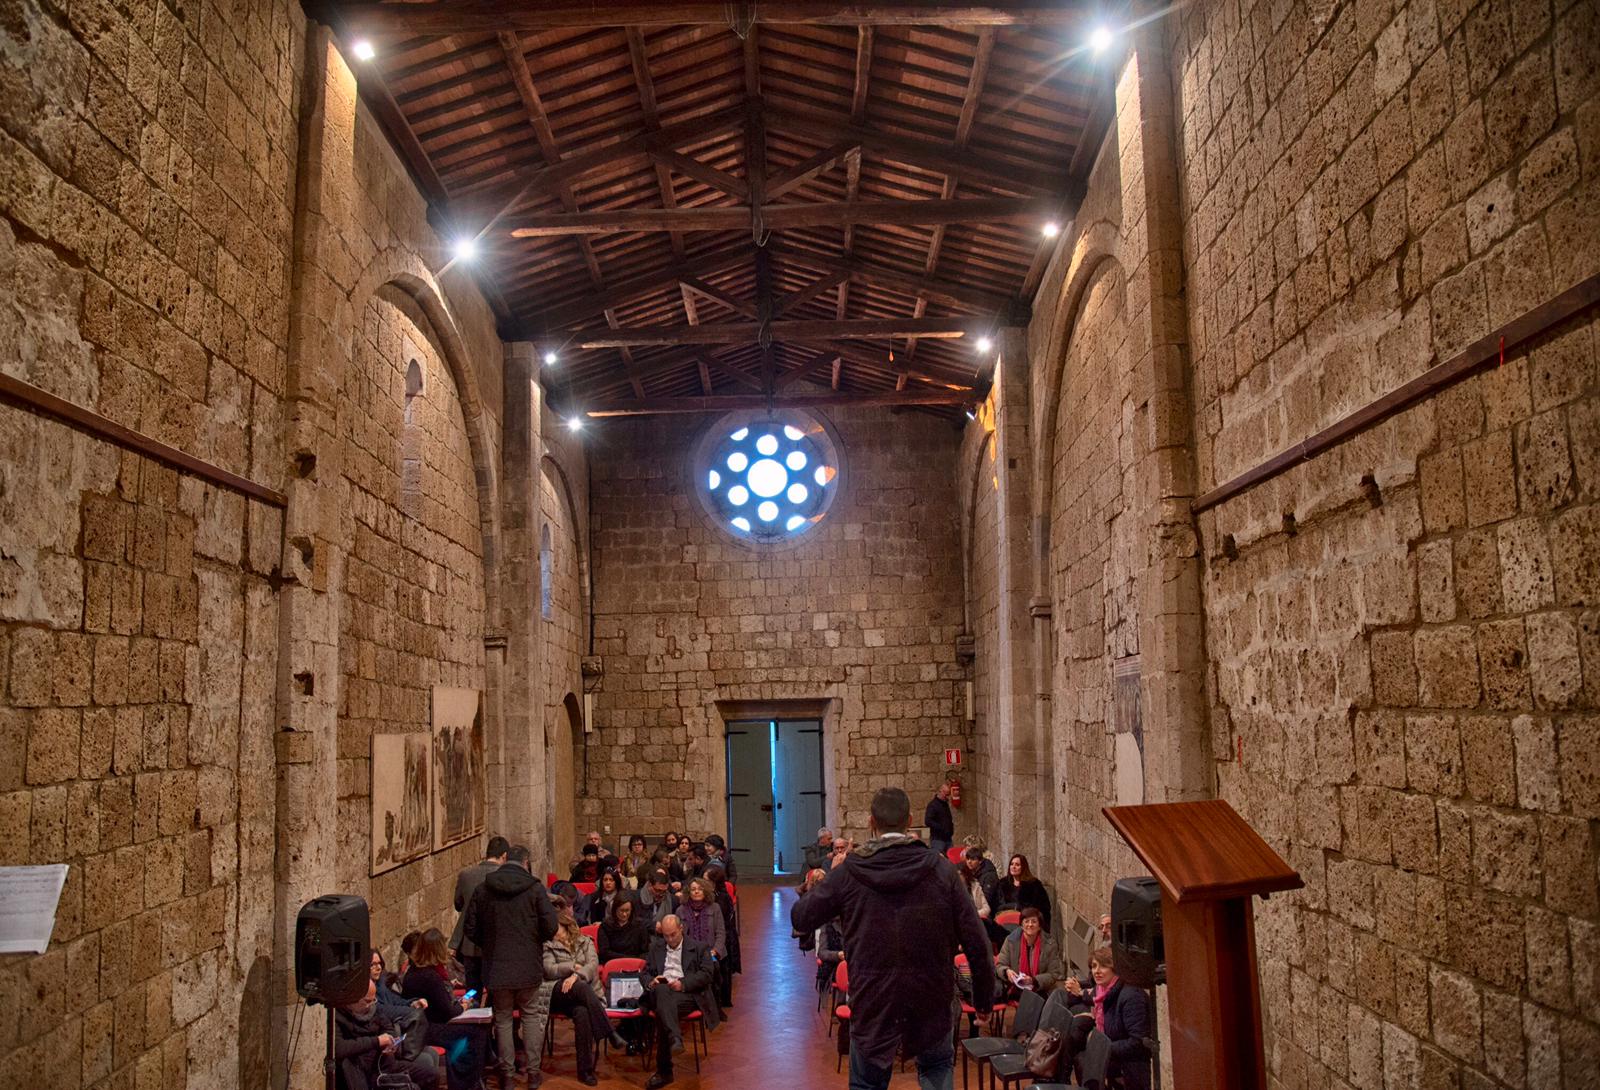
x: 779, y: 217
x: 807, y: 169
x: 822, y: 284
x: 747, y: 332
x: 735, y: 402
x: 448, y: 17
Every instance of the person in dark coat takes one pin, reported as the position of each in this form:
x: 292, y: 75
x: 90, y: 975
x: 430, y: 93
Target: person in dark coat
x: 467, y: 882
x: 1121, y: 1011
x: 624, y: 933
x: 940, y: 820
x: 510, y: 918
x: 365, y: 1039
x: 465, y: 1046
x: 1019, y: 889
x: 904, y: 914
x: 587, y: 868
x: 677, y: 979
x: 817, y: 854
x: 597, y: 906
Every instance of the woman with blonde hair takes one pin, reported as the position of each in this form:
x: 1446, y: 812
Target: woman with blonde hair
x: 570, y: 961
x: 702, y: 917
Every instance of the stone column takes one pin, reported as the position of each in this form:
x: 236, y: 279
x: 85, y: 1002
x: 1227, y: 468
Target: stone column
x: 1024, y: 751
x: 312, y: 564
x: 517, y: 805
x: 1171, y: 637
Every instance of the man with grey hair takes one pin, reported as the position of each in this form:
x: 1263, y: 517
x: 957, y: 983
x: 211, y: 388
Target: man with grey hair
x: 677, y: 979
x: 904, y: 912
x: 817, y: 854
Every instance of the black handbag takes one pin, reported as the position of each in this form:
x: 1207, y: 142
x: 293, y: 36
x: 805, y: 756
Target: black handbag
x: 410, y: 1033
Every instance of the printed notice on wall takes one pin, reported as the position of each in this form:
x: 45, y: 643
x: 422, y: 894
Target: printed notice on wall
x: 28, y: 898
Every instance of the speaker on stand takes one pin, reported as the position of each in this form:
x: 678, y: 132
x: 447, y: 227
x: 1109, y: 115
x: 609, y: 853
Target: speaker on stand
x: 1138, y: 951
x: 332, y: 959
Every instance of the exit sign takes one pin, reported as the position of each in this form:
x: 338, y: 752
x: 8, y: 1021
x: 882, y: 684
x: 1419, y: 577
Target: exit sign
x: 952, y: 756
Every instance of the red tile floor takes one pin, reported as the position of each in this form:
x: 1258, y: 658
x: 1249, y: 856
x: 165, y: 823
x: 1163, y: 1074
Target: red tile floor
x: 773, y: 1038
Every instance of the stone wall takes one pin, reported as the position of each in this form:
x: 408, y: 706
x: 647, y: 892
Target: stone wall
x: 1403, y: 647
x: 147, y: 157
x: 564, y: 642
x: 863, y: 612
x: 982, y: 513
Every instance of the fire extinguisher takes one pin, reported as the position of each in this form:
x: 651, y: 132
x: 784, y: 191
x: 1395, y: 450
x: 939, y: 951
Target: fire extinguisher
x: 955, y: 790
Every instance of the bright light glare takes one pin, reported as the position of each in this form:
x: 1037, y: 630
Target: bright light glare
x: 550, y: 358
x: 768, y: 478
x: 466, y: 248
x: 795, y: 522
x: 796, y: 460
x: 574, y: 423
x: 793, y: 432
x: 737, y: 461
x: 1051, y: 229
x: 740, y: 434
x: 737, y: 495
x: 741, y: 523
x: 768, y: 511
x: 797, y: 493
x: 767, y: 444
x: 1100, y: 39
x: 984, y: 344
x: 363, y: 50
x: 715, y: 480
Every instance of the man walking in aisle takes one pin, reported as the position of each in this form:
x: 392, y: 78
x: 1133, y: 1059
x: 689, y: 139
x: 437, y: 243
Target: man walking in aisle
x: 510, y: 918
x: 904, y: 912
x: 467, y: 882
x: 939, y: 819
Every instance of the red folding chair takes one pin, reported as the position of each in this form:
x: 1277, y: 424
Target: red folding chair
x: 584, y: 888
x: 593, y: 931
x: 954, y: 855
x: 1009, y: 918
x: 620, y: 965
x: 841, y: 1011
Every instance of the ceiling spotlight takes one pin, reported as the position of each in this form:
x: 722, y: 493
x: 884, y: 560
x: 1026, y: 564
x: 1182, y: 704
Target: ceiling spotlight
x: 465, y: 248
x: 984, y: 344
x: 550, y: 358
x: 1100, y: 39
x: 363, y: 50
x: 1051, y: 229
x: 574, y: 423
x: 971, y: 415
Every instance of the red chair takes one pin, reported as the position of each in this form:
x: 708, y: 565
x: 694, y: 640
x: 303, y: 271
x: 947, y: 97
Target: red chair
x: 584, y: 888
x: 841, y: 1011
x: 620, y: 965
x: 1009, y: 918
x: 551, y: 879
x: 954, y: 855
x: 593, y: 931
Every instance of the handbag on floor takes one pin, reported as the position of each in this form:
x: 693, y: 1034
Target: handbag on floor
x: 1042, y: 1053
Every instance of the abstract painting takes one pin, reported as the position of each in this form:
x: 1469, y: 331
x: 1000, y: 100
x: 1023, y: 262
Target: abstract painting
x: 459, y: 785
x: 402, y: 806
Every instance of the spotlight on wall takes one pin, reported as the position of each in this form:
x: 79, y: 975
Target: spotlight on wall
x: 984, y: 344
x: 363, y: 50
x: 1051, y: 229
x: 465, y: 248
x: 574, y: 423
x: 550, y: 358
x: 1100, y: 39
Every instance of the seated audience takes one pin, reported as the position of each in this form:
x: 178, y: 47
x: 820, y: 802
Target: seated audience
x: 1121, y: 1012
x: 607, y: 857
x: 971, y: 871
x: 587, y: 868
x: 389, y: 987
x: 808, y: 939
x: 669, y: 842
x: 842, y: 846
x: 657, y: 898
x: 681, y: 869
x: 407, y: 944
x: 366, y: 1044
x: 701, y: 917
x: 638, y: 856
x: 624, y: 933
x: 717, y: 856
x: 728, y: 966
x: 817, y: 854
x: 1029, y: 959
x: 597, y: 906
x: 987, y: 874
x: 570, y: 961
x: 1019, y: 889
x: 1105, y: 929
x: 465, y: 1047
x: 677, y: 980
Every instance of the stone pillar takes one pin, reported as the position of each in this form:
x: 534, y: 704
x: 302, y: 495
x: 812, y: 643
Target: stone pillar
x: 1171, y: 637
x: 517, y: 776
x: 1026, y: 818
x: 312, y: 565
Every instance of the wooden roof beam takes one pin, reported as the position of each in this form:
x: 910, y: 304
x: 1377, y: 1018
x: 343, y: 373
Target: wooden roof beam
x: 747, y: 332
x: 808, y: 168
x: 778, y: 217
x: 811, y: 291
x: 866, y: 272
x: 734, y: 402
x: 559, y: 318
x: 449, y: 17
x: 739, y: 306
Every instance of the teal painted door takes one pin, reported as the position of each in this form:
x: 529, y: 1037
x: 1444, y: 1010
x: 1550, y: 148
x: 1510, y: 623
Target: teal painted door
x: 797, y: 787
x: 750, y: 803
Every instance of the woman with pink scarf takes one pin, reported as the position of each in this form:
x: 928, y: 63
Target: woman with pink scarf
x: 1121, y: 1012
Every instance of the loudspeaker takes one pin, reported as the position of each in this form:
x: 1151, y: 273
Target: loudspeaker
x: 1137, y: 951
x: 332, y: 958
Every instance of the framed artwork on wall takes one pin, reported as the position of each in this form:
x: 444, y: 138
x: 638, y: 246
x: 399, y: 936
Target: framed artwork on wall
x: 459, y: 787
x: 402, y: 800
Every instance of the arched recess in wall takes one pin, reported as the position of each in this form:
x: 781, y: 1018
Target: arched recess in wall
x: 563, y: 730
x: 987, y: 749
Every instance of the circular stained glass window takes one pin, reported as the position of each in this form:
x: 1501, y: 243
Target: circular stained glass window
x: 767, y: 479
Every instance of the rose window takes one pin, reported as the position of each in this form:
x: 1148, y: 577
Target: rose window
x: 768, y: 479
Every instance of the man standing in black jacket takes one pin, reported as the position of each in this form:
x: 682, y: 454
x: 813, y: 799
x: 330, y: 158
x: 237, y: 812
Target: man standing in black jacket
x: 467, y: 883
x: 939, y: 819
x: 509, y: 919
x: 905, y: 912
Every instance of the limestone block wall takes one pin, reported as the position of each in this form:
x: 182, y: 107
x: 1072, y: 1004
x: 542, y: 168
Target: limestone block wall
x: 412, y: 608
x: 147, y: 159
x: 564, y: 639
x: 863, y: 612
x: 982, y: 512
x: 1404, y: 672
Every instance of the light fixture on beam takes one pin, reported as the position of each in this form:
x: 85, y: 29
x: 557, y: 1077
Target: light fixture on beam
x: 465, y: 248
x: 1100, y: 39
x: 574, y: 423
x: 363, y: 49
x: 550, y: 357
x: 1051, y: 229
x: 984, y: 344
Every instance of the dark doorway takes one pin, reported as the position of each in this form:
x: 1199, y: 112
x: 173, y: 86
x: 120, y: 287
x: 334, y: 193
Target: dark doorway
x: 775, y: 793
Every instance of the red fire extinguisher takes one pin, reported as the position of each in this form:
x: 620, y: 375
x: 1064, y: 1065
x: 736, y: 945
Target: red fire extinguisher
x: 955, y: 790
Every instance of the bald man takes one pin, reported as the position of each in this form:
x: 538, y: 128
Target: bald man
x: 677, y: 979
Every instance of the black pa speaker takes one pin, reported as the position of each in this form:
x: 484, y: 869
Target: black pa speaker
x: 332, y: 958
x: 1137, y: 951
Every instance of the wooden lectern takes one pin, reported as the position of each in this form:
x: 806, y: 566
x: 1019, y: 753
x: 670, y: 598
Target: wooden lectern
x: 1209, y: 863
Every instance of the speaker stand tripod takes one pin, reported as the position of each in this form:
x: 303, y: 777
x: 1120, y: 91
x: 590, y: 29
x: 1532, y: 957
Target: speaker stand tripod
x: 330, y: 1065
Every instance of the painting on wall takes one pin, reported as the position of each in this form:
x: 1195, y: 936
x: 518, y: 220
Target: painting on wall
x: 402, y: 804
x: 459, y: 785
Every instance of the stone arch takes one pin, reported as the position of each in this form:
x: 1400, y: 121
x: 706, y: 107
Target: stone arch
x: 580, y: 531
x: 970, y: 476
x: 563, y: 734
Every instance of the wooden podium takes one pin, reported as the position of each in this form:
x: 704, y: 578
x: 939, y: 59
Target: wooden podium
x: 1209, y: 863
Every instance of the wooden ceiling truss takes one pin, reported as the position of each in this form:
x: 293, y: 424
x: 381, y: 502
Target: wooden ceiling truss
x: 705, y: 207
